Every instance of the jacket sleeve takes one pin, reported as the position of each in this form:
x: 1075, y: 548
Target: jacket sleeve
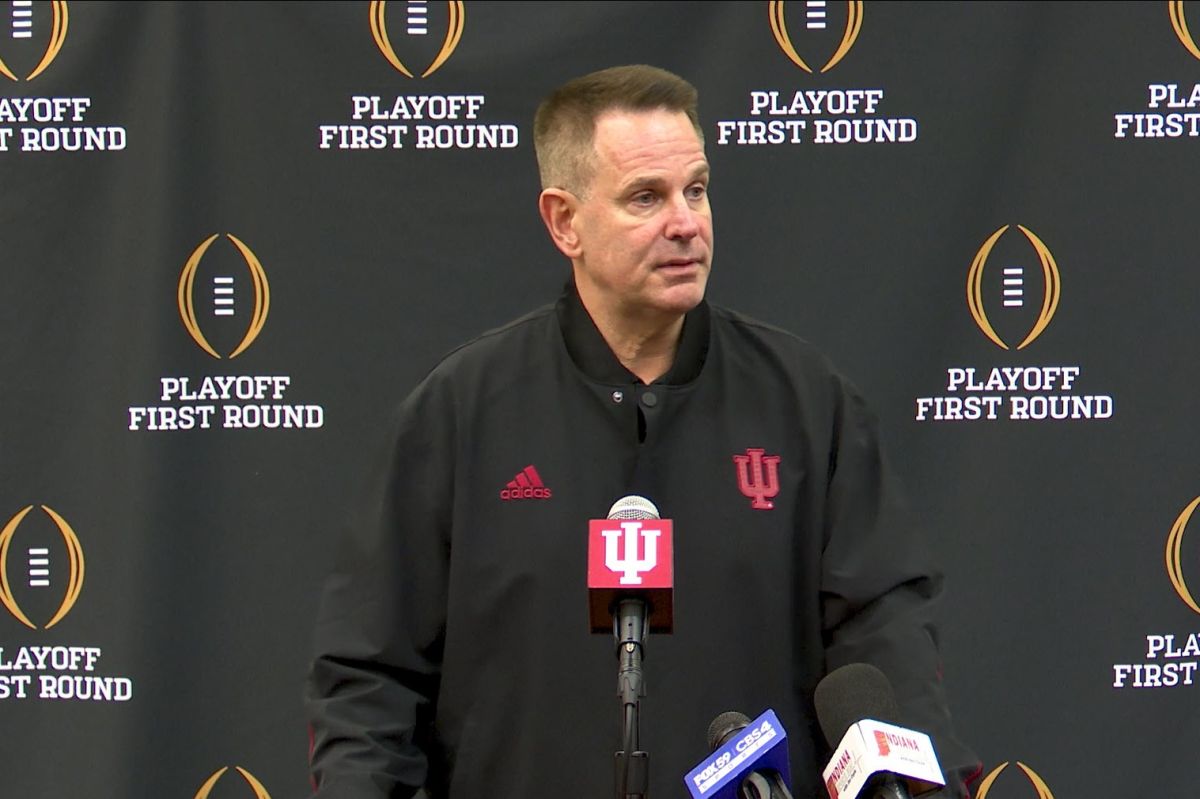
x: 373, y: 681
x: 880, y: 588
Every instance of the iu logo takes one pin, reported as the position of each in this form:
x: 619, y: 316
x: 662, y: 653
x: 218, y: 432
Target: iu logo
x: 882, y: 742
x: 627, y: 556
x: 758, y: 477
x: 621, y: 551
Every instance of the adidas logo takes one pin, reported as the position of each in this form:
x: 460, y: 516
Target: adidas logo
x: 526, y: 485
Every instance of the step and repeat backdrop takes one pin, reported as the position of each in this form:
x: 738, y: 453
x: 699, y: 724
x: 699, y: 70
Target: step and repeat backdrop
x: 234, y: 235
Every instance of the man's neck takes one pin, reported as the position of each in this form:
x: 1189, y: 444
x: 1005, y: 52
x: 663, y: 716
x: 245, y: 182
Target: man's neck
x: 645, y: 347
x: 649, y: 358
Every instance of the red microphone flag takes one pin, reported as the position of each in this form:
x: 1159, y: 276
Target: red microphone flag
x: 630, y: 558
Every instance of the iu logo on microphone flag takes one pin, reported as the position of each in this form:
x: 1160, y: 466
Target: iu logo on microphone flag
x: 629, y: 553
x: 630, y: 557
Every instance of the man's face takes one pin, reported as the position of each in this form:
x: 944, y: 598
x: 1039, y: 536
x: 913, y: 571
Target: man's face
x: 644, y: 227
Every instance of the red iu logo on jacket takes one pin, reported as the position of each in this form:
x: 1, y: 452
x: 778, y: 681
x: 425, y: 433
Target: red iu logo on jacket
x: 758, y: 477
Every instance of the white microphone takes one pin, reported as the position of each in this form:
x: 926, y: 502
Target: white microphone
x: 633, y: 507
x: 874, y: 758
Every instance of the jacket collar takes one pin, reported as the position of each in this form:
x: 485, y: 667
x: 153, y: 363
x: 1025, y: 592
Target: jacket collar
x: 591, y: 353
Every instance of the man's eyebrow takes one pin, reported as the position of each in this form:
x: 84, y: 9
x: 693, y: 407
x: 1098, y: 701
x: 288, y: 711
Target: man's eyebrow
x: 651, y: 181
x: 643, y: 182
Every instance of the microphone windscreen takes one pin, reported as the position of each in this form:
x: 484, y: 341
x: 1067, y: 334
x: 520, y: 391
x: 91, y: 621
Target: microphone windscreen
x: 724, y: 727
x: 851, y: 693
x: 633, y: 507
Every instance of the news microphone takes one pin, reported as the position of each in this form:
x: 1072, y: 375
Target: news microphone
x: 630, y: 557
x: 749, y: 760
x: 874, y: 757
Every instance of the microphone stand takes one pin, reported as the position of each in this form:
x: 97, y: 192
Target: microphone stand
x: 757, y: 786
x: 888, y: 788
x: 630, y: 630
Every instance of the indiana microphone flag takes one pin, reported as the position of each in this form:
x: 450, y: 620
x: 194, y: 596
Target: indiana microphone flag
x: 630, y: 558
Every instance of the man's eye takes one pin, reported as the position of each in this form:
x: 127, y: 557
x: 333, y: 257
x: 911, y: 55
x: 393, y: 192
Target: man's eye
x: 643, y: 198
x: 697, y: 192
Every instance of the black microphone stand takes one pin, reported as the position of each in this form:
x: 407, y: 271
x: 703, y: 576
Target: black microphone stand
x: 758, y: 786
x: 630, y: 630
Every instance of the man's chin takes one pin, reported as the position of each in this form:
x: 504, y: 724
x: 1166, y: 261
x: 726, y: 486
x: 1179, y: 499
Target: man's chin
x: 682, y: 298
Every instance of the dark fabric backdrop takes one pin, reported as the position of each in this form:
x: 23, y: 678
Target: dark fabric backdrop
x: 183, y: 565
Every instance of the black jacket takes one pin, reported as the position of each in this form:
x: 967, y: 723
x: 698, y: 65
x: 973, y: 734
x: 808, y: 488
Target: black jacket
x: 453, y: 647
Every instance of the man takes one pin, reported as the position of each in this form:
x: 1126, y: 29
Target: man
x: 453, y: 649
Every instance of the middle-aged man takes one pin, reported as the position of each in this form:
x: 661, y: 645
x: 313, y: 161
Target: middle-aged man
x: 453, y: 647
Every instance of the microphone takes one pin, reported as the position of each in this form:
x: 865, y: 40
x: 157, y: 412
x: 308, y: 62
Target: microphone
x: 875, y: 758
x: 630, y: 576
x: 630, y: 557
x: 749, y: 760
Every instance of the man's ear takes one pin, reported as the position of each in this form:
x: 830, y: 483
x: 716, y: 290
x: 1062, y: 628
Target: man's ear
x: 557, y: 208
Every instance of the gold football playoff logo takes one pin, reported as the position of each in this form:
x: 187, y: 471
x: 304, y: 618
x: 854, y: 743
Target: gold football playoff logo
x: 1175, y: 555
x: 22, y: 18
x: 1179, y: 23
x: 1050, y: 295
x: 454, y: 31
x: 187, y: 296
x: 75, y: 571
x: 259, y: 791
x: 854, y: 18
x: 1043, y: 792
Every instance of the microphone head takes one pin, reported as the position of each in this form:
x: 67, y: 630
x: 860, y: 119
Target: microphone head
x: 851, y: 693
x: 743, y: 755
x: 633, y: 507
x: 724, y: 727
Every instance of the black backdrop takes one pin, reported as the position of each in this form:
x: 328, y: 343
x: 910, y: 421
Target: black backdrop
x: 158, y: 592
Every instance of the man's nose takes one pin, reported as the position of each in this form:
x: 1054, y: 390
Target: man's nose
x: 685, y: 220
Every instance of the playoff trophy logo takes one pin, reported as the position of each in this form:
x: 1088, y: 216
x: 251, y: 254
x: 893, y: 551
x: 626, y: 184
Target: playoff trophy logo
x: 412, y: 24
x: 224, y: 297
x: 259, y: 791
x: 1175, y: 555
x: 31, y: 25
x: 1179, y: 23
x: 1010, y: 285
x: 1043, y: 792
x: 815, y: 30
x: 38, y: 567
